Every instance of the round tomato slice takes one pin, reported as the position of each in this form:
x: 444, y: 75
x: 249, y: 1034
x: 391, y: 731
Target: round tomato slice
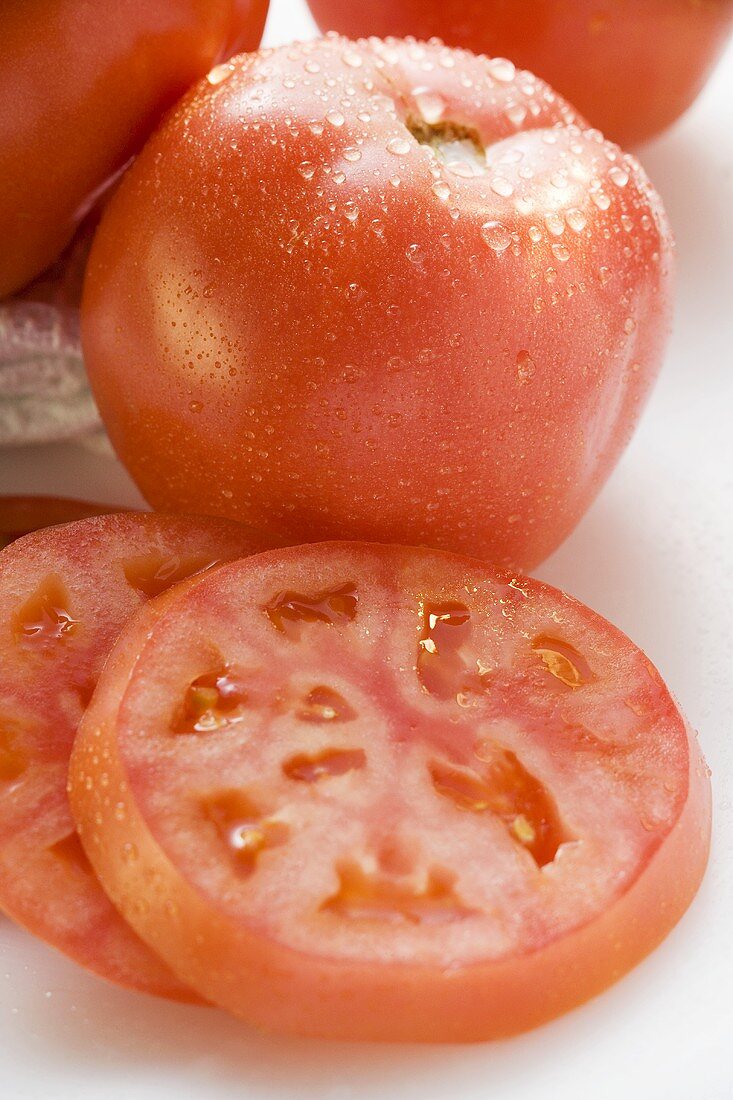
x: 370, y: 792
x: 20, y: 515
x: 65, y: 594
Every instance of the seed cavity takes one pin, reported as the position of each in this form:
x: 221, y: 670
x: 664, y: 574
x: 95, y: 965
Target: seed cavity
x: 45, y: 619
x: 244, y: 829
x: 442, y: 666
x: 69, y: 851
x: 288, y: 610
x: 323, y: 704
x: 311, y: 768
x: 503, y: 787
x: 152, y: 574
x: 562, y: 661
x: 213, y: 701
x: 366, y: 896
x: 12, y: 761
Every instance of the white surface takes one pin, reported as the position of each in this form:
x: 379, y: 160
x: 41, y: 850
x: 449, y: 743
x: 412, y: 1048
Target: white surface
x: 655, y: 554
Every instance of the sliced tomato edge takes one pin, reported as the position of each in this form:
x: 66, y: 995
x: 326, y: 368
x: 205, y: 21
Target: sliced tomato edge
x: 686, y: 845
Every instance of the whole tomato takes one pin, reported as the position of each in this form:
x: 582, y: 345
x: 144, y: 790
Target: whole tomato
x: 631, y: 66
x: 81, y: 86
x: 380, y: 291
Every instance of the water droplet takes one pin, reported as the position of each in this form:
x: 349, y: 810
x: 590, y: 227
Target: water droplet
x: 398, y: 147
x: 619, y: 175
x: 561, y: 253
x: 415, y: 254
x: 496, y: 235
x: 430, y: 105
x: 351, y: 211
x: 629, y: 325
x: 312, y: 66
x: 335, y: 118
x: 352, y: 154
x: 501, y: 69
x: 525, y: 367
x: 442, y: 190
x: 576, y: 219
x: 220, y: 73
x: 601, y: 199
x: 502, y: 186
x: 555, y: 224
x: 516, y: 113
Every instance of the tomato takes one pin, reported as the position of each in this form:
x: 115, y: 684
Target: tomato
x: 20, y: 515
x: 412, y: 300
x: 80, y: 94
x: 369, y: 792
x: 631, y: 67
x: 65, y: 594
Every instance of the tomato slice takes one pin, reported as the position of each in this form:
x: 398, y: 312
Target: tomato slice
x: 65, y: 594
x: 21, y: 515
x: 382, y: 793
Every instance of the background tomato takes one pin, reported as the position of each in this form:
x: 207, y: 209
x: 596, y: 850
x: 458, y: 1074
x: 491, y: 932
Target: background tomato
x: 378, y: 291
x: 382, y: 793
x: 82, y: 85
x: 632, y: 67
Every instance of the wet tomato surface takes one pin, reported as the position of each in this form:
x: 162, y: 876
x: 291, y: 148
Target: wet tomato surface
x: 414, y: 299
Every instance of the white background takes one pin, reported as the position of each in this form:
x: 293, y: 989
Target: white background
x: 655, y: 555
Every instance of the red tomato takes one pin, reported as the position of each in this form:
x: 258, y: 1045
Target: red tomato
x: 387, y: 793
x: 20, y: 515
x: 81, y: 91
x: 631, y: 67
x: 412, y: 300
x: 65, y: 594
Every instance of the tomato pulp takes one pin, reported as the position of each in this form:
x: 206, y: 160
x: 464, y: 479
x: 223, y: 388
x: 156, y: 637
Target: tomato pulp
x: 413, y: 300
x: 81, y: 92
x: 632, y: 68
x: 65, y: 594
x: 385, y: 793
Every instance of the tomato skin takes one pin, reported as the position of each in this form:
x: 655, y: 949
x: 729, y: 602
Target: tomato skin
x: 80, y: 96
x: 631, y: 68
x: 253, y: 974
x: 21, y: 515
x: 345, y: 354
x: 101, y: 567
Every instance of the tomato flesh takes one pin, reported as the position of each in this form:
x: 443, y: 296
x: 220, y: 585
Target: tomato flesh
x: 65, y: 594
x: 357, y: 843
